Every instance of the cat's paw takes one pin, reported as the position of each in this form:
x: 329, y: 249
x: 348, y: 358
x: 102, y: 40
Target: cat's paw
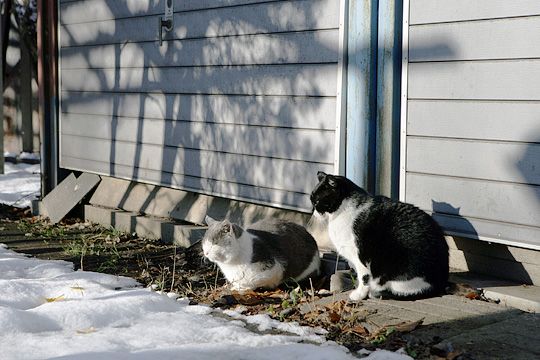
x: 360, y: 293
x: 374, y: 294
x: 239, y: 288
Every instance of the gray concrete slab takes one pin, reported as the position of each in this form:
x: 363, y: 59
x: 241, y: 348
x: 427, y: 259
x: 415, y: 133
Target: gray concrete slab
x: 182, y: 205
x: 519, y: 296
x: 482, y: 329
x: 182, y: 234
x: 517, y: 337
x: 64, y: 197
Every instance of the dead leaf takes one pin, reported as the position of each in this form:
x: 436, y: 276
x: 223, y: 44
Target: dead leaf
x: 472, y: 295
x: 403, y: 327
x: 408, y: 326
x: 89, y: 330
x: 359, y: 330
x: 54, y: 299
x: 276, y: 294
x: 248, y: 298
x: 338, y: 306
x: 334, y: 317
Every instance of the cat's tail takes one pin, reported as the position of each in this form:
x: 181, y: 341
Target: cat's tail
x: 312, y: 270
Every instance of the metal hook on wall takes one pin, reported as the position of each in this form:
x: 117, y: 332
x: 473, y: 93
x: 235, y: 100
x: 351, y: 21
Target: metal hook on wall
x: 166, y: 21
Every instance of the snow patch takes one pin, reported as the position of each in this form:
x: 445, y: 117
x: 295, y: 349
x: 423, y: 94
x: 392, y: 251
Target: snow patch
x: 47, y: 310
x: 20, y: 184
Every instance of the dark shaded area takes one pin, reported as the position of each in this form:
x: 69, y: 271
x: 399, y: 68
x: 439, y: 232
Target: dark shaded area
x: 480, y: 256
x: 529, y: 165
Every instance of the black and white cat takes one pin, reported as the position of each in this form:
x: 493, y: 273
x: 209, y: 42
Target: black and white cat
x: 395, y: 248
x: 264, y: 255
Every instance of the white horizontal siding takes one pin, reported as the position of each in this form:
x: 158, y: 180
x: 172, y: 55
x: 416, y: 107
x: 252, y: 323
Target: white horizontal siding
x: 240, y: 101
x: 482, y: 80
x: 265, y: 18
x: 436, y: 11
x: 283, y: 48
x: 274, y: 142
x: 232, y: 190
x: 492, y: 231
x: 290, y: 79
x: 279, y: 111
x: 266, y: 172
x: 489, y: 160
x: 73, y: 12
x: 487, y: 120
x: 473, y: 126
x: 494, y: 201
x: 476, y: 40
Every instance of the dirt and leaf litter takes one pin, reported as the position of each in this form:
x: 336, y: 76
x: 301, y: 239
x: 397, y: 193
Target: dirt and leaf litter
x: 347, y: 323
x: 167, y: 268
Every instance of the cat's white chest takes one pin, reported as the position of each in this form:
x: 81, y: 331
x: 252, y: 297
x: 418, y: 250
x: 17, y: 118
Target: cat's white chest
x: 340, y: 229
x: 252, y: 276
x: 244, y: 273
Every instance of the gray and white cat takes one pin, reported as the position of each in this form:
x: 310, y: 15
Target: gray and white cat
x: 396, y: 249
x: 264, y: 255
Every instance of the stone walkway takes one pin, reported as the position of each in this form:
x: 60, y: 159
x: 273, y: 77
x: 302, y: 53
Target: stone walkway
x: 478, y: 329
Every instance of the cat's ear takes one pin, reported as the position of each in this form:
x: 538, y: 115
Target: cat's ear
x: 320, y: 175
x: 209, y: 221
x: 332, y: 182
x: 227, y: 226
x: 237, y: 230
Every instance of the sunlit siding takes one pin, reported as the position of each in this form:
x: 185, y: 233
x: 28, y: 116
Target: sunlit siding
x: 240, y: 101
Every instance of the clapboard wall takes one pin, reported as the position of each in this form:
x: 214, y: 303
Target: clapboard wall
x: 240, y: 101
x: 471, y: 144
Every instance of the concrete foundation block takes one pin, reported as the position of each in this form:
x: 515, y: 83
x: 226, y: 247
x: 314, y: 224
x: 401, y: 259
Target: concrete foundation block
x: 180, y: 233
x: 64, y: 197
x: 183, y: 205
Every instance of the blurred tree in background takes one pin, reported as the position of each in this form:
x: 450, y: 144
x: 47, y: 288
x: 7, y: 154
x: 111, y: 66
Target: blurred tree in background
x: 19, y: 68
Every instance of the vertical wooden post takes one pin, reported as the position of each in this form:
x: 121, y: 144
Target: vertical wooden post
x: 26, y: 98
x: 341, y: 111
x: 361, y: 91
x: 2, y: 89
x: 48, y: 94
x: 403, y: 99
x: 388, y: 97
x: 1, y: 112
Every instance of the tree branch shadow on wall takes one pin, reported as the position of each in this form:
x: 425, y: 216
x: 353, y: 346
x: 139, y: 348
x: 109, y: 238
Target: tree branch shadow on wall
x: 529, y: 166
x: 195, y: 119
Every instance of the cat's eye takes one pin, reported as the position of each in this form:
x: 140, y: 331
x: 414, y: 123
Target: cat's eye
x: 332, y: 182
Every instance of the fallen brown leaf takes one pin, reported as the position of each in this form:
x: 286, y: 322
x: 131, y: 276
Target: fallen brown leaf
x: 403, y: 327
x: 248, y: 298
x: 53, y: 299
x: 472, y: 295
x: 334, y: 317
x: 408, y: 326
x: 358, y: 330
x: 89, y: 330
